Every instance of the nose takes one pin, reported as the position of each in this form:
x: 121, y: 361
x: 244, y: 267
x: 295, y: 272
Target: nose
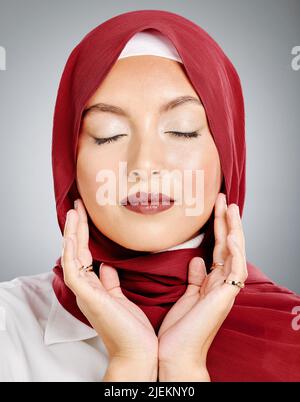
x: 142, y: 174
x: 145, y: 160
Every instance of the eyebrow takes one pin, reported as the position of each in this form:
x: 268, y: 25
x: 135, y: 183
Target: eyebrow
x: 104, y: 107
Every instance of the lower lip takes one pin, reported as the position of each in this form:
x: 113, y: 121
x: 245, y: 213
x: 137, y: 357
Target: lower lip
x: 149, y: 209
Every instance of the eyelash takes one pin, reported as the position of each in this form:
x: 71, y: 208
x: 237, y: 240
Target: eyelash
x: 189, y: 135
x: 100, y: 141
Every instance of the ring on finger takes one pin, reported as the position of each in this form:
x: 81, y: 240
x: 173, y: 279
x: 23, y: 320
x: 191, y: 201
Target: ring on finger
x: 86, y: 268
x: 216, y: 265
x: 235, y: 283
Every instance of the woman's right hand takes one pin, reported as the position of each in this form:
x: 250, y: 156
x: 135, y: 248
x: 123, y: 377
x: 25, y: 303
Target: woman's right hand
x: 124, y: 328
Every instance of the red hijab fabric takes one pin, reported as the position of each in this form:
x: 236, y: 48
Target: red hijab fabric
x: 256, y: 341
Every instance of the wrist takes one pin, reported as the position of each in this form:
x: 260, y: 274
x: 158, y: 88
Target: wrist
x: 133, y: 369
x: 176, y: 372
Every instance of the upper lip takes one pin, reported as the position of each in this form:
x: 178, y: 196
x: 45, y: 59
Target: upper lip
x: 143, y: 197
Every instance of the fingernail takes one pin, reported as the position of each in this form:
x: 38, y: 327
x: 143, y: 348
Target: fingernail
x: 75, y: 204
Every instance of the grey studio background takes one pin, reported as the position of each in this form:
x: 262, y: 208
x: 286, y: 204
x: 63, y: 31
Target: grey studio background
x: 258, y: 37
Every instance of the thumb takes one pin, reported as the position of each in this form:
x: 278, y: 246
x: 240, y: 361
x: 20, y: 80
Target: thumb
x: 110, y: 279
x: 196, y: 275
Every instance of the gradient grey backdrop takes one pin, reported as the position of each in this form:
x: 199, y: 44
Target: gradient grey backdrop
x: 257, y: 36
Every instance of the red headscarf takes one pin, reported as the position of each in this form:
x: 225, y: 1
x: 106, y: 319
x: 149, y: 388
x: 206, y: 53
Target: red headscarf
x: 256, y: 341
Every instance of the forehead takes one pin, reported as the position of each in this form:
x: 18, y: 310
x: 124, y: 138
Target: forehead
x: 145, y: 76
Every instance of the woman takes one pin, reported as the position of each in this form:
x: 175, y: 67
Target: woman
x: 149, y: 288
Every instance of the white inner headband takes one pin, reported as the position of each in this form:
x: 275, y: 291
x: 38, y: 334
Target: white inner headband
x: 150, y: 42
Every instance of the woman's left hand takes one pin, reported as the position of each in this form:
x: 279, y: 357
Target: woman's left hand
x: 193, y: 321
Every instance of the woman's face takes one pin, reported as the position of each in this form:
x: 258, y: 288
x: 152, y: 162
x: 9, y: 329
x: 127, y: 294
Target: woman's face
x: 141, y: 86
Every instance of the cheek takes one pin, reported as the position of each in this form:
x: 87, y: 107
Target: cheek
x: 207, y: 161
x: 212, y: 173
x: 89, y: 163
x: 86, y: 170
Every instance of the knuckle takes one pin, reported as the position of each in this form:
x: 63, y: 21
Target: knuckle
x: 219, y: 241
x: 244, y: 273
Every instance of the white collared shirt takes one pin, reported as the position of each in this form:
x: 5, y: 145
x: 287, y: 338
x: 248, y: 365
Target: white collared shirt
x: 40, y: 341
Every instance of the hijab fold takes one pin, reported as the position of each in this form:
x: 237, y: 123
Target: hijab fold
x: 256, y: 341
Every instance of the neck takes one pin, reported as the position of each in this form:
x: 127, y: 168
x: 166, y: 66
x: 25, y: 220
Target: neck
x: 191, y: 243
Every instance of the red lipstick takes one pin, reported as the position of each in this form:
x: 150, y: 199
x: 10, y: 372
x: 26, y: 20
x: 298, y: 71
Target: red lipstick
x: 147, y: 203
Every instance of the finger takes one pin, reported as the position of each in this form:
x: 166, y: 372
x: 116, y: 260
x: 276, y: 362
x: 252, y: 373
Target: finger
x: 110, y: 279
x: 196, y: 275
x: 238, y: 266
x: 70, y: 229
x: 69, y: 262
x: 239, y: 263
x: 220, y: 251
x: 235, y: 224
x: 83, y: 251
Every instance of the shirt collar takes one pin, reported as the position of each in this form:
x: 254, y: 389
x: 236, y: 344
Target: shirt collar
x: 62, y: 326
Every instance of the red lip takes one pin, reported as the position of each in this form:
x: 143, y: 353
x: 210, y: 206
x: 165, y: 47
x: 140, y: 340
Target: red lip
x: 147, y: 203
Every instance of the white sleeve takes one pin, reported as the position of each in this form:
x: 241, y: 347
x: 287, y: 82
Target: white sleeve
x: 10, y: 367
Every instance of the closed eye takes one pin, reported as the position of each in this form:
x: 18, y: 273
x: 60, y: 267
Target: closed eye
x: 192, y: 134
x: 100, y: 141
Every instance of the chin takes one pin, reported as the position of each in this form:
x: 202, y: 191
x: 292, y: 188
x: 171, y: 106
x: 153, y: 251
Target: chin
x: 145, y: 244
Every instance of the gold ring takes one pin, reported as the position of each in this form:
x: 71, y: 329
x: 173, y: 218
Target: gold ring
x: 86, y: 268
x: 217, y: 264
x: 235, y: 283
